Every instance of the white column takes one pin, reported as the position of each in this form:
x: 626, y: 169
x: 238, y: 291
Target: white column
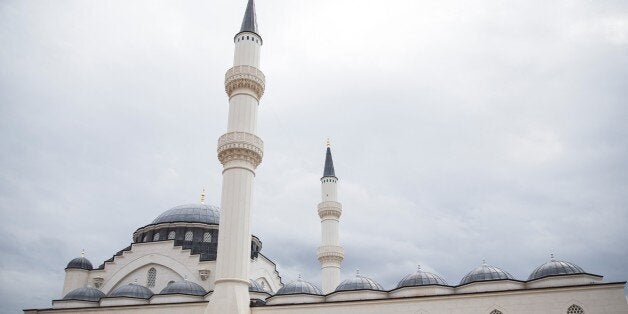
x: 240, y: 151
x: 330, y: 253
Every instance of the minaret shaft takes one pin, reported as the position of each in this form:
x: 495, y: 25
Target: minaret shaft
x: 240, y: 151
x: 330, y: 253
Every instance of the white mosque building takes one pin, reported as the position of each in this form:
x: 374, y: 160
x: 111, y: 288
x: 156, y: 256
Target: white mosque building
x: 199, y: 258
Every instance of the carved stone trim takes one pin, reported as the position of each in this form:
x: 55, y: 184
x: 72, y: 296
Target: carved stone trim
x: 204, y: 273
x: 240, y: 146
x: 245, y: 76
x: 330, y: 254
x: 330, y: 208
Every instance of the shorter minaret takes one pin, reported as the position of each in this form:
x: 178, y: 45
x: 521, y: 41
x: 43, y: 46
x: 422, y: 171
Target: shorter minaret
x: 330, y: 253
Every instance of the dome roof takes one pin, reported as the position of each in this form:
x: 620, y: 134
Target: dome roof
x: 80, y: 263
x: 132, y: 291
x: 184, y: 287
x: 190, y: 213
x: 255, y: 287
x: 85, y: 294
x: 359, y: 283
x: 555, y: 267
x: 484, y: 273
x: 421, y: 278
x: 299, y: 286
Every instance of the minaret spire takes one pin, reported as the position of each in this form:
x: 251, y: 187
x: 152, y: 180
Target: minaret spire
x: 330, y: 253
x: 249, y: 23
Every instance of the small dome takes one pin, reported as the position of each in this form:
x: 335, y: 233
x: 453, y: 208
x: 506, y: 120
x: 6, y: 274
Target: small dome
x: 184, y: 287
x: 85, y: 294
x: 190, y: 213
x: 255, y: 287
x: 421, y: 278
x: 132, y: 291
x: 359, y: 283
x: 299, y: 286
x: 484, y: 273
x: 80, y: 263
x: 554, y: 267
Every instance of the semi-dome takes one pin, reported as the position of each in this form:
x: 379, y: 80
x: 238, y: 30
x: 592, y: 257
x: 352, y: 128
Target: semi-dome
x: 554, y: 267
x: 255, y: 287
x: 85, y: 294
x: 484, y: 273
x: 421, y: 278
x: 132, y: 291
x: 359, y: 283
x: 202, y: 213
x: 80, y: 263
x: 184, y: 287
x: 299, y: 286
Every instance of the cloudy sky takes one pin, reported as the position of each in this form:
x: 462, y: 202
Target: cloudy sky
x: 461, y: 131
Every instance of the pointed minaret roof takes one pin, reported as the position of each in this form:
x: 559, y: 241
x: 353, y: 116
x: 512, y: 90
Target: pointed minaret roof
x: 249, y: 23
x: 329, y: 164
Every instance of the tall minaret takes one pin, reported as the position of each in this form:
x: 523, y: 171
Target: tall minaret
x: 240, y: 151
x: 330, y: 253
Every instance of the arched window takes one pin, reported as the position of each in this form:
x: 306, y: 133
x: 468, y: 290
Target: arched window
x: 151, y: 277
x: 188, y: 236
x: 207, y: 237
x: 574, y: 309
x: 145, y: 238
x: 170, y: 282
x: 496, y: 312
x: 156, y: 237
x: 171, y: 235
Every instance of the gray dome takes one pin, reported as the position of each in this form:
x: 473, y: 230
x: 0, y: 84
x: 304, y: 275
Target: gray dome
x: 190, y: 213
x: 299, y: 286
x: 255, y: 287
x: 80, y: 263
x: 85, y: 294
x: 421, y: 278
x: 359, y: 283
x: 132, y: 291
x: 484, y: 273
x: 554, y: 267
x: 184, y: 287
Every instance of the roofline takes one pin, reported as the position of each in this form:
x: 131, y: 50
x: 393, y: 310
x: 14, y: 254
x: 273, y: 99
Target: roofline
x: 563, y: 275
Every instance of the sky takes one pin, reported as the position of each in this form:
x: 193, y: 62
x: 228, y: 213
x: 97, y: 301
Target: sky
x: 461, y: 131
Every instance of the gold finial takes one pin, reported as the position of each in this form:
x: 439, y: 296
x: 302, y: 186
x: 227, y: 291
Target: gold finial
x: 552, y: 257
x: 483, y: 262
x: 418, y: 269
x: 357, y: 272
x: 83, y: 253
x: 328, y: 142
x: 203, y: 196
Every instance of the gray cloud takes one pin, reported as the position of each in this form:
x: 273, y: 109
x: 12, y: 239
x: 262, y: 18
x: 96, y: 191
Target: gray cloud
x: 461, y: 131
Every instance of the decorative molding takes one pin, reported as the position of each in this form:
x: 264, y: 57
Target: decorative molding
x: 330, y: 254
x: 245, y: 76
x: 329, y: 209
x: 204, y: 273
x: 240, y: 146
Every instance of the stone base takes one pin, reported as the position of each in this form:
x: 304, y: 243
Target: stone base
x: 229, y: 297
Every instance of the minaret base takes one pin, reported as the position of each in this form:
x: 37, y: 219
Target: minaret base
x: 229, y: 297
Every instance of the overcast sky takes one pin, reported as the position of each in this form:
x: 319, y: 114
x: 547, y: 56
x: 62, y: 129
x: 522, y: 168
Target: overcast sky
x: 461, y: 131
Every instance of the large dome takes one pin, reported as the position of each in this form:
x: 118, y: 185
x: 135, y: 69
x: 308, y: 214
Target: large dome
x: 421, y: 278
x: 554, y: 267
x: 359, y: 283
x: 80, y: 263
x: 484, y: 273
x: 84, y: 294
x: 299, y: 286
x: 184, y: 287
x: 190, y: 213
x: 131, y: 291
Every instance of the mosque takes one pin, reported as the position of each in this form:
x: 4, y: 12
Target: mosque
x: 199, y: 258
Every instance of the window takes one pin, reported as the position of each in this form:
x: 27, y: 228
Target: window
x: 156, y: 237
x: 145, y: 238
x: 188, y: 236
x: 207, y: 237
x: 170, y: 282
x: 574, y: 309
x: 247, y: 37
x: 171, y: 235
x: 496, y: 312
x: 151, y: 276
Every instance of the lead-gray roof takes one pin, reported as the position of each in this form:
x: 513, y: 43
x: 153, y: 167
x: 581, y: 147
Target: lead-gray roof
x: 484, y: 273
x: 249, y: 23
x: 190, y: 213
x: 421, y: 278
x: 359, y: 283
x: 299, y: 286
x: 184, y: 287
x: 80, y: 263
x: 553, y: 268
x: 132, y: 291
x: 329, y: 165
x: 85, y: 294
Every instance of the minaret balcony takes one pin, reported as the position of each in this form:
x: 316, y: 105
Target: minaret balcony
x: 240, y: 146
x: 245, y: 77
x: 329, y: 209
x: 332, y: 254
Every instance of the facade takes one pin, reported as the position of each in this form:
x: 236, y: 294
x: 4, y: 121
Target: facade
x: 198, y: 258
